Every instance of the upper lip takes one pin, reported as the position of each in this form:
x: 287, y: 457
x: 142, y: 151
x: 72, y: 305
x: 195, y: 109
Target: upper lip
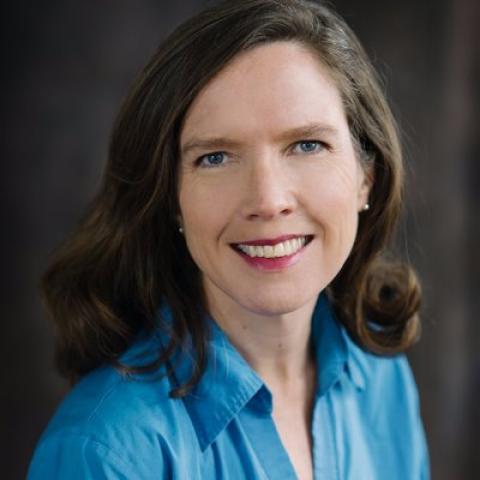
x: 271, y: 241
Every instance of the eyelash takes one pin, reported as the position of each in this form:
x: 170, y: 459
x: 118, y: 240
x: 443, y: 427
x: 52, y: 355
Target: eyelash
x: 199, y: 160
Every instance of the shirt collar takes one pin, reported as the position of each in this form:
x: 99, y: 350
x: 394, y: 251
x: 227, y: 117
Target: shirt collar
x: 229, y: 383
x: 336, y: 352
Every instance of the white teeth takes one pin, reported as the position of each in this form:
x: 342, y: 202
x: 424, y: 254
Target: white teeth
x: 279, y: 250
x: 282, y: 249
x: 288, y: 247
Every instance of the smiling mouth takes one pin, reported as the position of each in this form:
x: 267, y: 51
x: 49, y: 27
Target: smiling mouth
x: 285, y: 248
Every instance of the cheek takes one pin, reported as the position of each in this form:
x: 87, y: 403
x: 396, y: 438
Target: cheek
x: 333, y: 190
x: 332, y: 201
x: 205, y: 210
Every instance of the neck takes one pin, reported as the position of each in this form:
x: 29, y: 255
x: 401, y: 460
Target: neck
x: 276, y: 346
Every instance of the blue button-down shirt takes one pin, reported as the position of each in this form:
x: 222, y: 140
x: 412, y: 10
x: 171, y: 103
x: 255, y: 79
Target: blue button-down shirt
x: 365, y: 425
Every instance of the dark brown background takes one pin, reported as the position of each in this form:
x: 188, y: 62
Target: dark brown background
x: 66, y: 67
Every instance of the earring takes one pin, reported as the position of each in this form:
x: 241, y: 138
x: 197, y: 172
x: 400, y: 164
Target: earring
x: 180, y: 229
x: 366, y: 206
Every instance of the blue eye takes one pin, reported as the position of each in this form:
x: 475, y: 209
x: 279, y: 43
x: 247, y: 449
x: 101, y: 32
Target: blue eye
x: 212, y: 159
x: 310, y: 146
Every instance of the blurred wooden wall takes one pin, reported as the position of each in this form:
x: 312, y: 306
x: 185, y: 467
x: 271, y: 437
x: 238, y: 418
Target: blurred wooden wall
x: 67, y: 66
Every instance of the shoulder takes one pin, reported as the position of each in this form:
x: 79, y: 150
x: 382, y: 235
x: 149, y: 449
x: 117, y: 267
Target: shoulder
x: 113, y: 423
x: 384, y: 378
x: 389, y: 410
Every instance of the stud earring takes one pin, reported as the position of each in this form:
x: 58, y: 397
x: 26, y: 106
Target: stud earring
x: 180, y: 229
x: 366, y: 206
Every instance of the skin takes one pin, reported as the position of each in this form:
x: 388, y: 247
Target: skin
x: 264, y: 183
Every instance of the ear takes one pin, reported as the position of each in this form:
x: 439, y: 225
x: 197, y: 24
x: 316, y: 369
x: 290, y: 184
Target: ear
x: 366, y: 180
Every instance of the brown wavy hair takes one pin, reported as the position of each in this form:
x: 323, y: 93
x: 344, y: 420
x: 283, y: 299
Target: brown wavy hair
x: 126, y: 256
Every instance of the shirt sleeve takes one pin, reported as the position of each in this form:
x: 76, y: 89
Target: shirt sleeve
x: 424, y: 458
x: 80, y: 457
x: 419, y: 442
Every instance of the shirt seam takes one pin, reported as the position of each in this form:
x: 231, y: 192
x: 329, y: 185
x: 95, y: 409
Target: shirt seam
x: 97, y: 444
x: 103, y: 398
x: 333, y: 437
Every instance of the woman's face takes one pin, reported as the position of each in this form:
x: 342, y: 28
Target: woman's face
x: 270, y: 186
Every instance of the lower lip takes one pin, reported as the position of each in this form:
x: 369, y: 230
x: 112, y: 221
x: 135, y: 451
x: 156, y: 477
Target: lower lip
x: 272, y: 264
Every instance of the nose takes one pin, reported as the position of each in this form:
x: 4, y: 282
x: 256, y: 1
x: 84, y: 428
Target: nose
x: 269, y: 191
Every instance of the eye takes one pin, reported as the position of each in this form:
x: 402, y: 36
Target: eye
x: 213, y: 159
x: 310, y: 146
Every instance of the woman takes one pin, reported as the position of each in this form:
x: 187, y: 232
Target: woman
x: 226, y: 308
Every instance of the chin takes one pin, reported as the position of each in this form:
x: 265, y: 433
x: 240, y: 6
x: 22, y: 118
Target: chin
x: 275, y: 303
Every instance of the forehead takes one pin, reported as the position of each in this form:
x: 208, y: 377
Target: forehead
x: 277, y: 85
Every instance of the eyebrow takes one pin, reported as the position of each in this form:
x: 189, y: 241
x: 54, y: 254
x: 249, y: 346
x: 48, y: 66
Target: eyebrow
x: 304, y: 131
